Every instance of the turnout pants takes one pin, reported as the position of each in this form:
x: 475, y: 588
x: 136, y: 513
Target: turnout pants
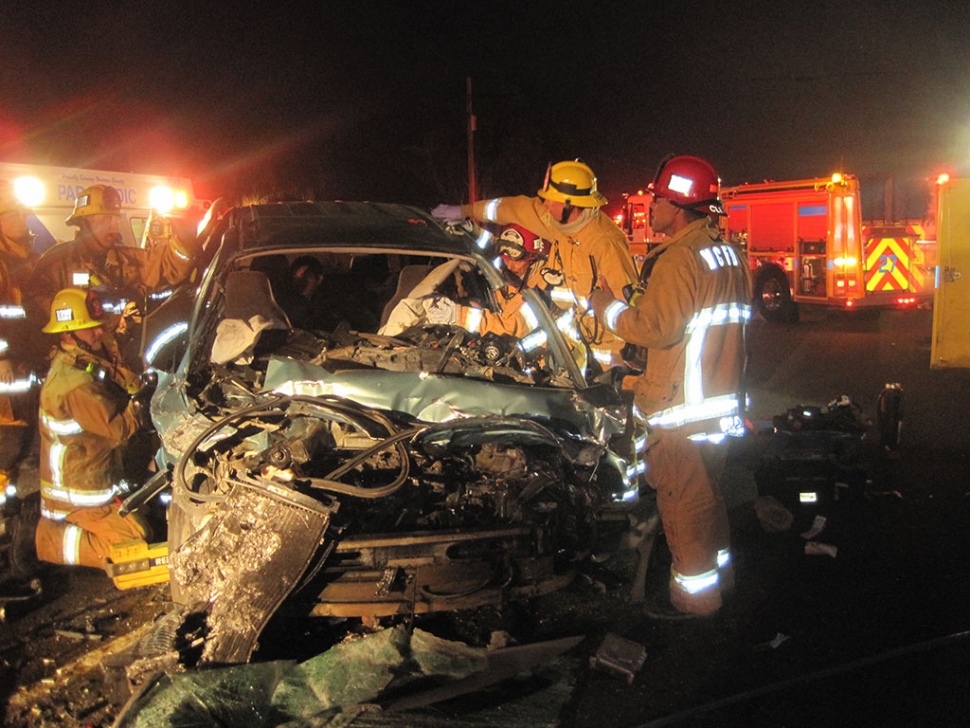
x: 85, y: 536
x: 686, y: 476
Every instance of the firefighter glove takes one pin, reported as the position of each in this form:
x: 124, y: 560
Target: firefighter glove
x: 448, y: 213
x: 131, y: 317
x: 599, y: 300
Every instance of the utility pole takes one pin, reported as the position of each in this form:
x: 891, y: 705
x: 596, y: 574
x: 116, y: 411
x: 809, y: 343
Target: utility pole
x: 472, y: 185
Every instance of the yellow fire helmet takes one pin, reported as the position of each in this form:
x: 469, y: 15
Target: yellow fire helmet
x: 72, y: 310
x: 573, y: 183
x: 95, y: 200
x: 8, y: 199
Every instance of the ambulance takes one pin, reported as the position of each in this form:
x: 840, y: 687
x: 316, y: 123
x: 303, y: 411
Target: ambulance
x: 50, y: 193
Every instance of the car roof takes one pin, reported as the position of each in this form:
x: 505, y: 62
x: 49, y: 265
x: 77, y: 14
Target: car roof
x: 367, y: 224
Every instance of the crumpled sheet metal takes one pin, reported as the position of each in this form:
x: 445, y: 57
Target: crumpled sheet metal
x: 244, y: 562
x: 176, y: 426
x: 431, y: 398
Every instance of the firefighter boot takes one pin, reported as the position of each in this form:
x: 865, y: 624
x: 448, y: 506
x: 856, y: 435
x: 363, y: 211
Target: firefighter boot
x: 24, y: 564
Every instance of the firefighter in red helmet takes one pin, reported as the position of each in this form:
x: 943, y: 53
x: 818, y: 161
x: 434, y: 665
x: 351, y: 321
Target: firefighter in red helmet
x: 519, y: 252
x: 691, y: 319
x: 586, y: 244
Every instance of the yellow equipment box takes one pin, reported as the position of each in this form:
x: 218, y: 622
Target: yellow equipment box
x: 137, y: 563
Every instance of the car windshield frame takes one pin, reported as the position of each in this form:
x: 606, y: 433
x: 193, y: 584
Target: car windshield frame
x: 234, y: 248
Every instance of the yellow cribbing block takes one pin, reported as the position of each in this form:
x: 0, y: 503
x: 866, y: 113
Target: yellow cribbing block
x: 137, y: 563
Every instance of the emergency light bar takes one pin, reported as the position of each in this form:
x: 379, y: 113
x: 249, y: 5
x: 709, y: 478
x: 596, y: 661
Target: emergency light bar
x: 164, y: 199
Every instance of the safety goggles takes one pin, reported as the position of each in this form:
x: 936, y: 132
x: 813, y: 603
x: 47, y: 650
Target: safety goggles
x: 513, y: 252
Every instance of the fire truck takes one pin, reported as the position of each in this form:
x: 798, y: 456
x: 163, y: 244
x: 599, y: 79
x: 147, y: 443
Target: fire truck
x: 634, y: 220
x: 50, y: 193
x: 827, y: 242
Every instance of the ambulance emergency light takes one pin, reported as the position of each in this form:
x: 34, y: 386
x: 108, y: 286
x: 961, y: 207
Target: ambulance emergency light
x: 164, y: 199
x: 29, y: 191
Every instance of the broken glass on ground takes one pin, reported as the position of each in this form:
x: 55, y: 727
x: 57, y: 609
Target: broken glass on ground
x: 387, y: 671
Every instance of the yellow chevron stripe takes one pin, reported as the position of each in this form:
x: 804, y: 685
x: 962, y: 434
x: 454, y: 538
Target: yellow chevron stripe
x: 883, y: 272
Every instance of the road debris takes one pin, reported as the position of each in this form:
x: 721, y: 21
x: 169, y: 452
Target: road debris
x: 814, y: 548
x: 818, y: 525
x: 773, y: 643
x: 619, y: 656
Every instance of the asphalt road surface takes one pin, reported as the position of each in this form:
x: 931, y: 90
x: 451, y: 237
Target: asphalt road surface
x: 871, y: 628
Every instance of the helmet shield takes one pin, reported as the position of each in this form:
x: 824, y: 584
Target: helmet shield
x: 95, y: 200
x: 516, y: 242
x: 688, y: 182
x: 74, y: 309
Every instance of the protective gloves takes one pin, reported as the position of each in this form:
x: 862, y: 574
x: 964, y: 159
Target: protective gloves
x: 601, y: 297
x: 131, y: 316
x: 598, y: 301
x: 448, y: 213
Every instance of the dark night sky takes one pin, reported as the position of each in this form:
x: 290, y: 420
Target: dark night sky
x: 367, y: 100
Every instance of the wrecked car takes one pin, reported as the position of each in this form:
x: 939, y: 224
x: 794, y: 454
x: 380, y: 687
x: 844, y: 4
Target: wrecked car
x: 369, y: 463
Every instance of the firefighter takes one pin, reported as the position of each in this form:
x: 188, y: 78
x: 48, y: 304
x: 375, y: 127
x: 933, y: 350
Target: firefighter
x: 519, y: 251
x: 18, y: 350
x: 96, y: 258
x: 586, y: 245
x: 691, y: 318
x: 86, y: 418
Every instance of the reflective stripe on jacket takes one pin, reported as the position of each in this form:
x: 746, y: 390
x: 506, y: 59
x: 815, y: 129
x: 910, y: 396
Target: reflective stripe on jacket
x: 133, y: 269
x: 84, y: 424
x: 691, y: 318
x: 600, y: 241
x: 516, y: 317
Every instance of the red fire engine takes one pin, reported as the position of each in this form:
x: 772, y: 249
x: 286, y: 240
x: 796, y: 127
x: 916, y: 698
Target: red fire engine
x: 816, y: 241
x: 634, y: 219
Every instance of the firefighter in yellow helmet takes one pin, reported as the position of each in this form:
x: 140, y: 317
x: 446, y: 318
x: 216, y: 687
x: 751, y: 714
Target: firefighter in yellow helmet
x: 96, y: 258
x: 19, y: 354
x: 691, y: 318
x: 586, y: 245
x: 87, y: 416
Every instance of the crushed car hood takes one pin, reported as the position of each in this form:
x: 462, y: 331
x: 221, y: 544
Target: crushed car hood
x: 426, y: 397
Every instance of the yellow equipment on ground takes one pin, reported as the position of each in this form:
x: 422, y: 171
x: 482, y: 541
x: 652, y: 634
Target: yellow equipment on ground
x: 137, y: 563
